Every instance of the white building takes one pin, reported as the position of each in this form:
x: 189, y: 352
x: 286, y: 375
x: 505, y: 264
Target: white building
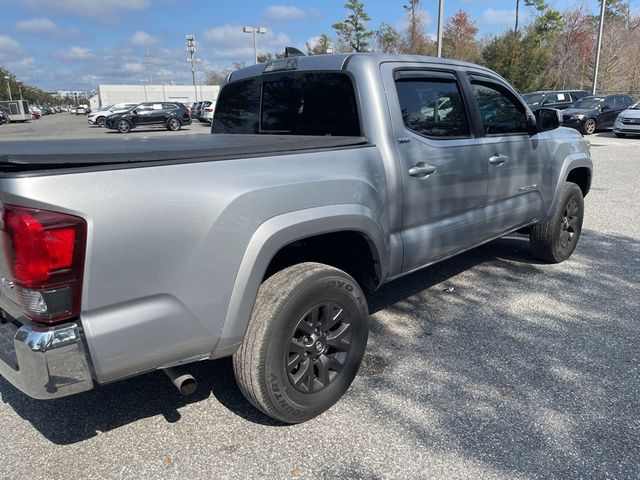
x: 110, y: 94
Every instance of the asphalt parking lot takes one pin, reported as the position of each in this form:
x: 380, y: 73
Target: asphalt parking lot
x: 490, y: 365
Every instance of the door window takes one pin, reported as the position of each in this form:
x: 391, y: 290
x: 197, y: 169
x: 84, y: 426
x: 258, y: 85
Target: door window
x: 501, y: 113
x: 432, y: 107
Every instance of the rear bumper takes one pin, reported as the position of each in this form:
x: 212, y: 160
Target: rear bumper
x: 46, y: 362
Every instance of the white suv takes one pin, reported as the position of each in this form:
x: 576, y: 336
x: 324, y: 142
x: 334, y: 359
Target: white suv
x: 98, y: 117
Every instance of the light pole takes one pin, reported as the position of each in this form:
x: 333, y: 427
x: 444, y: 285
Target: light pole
x: 144, y: 86
x: 7, y: 78
x: 595, y: 69
x: 20, y: 89
x: 440, y: 28
x: 191, y: 48
x: 255, y: 31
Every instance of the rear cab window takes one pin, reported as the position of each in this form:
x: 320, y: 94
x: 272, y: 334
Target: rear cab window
x: 289, y: 103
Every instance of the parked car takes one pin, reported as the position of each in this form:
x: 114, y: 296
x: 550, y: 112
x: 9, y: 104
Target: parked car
x: 195, y: 110
x: 595, y: 112
x: 98, y: 117
x: 35, y: 113
x: 628, y: 121
x: 82, y: 110
x: 260, y: 240
x: 4, y: 118
x: 207, y: 113
x: 201, y: 111
x: 171, y: 115
x: 559, y: 99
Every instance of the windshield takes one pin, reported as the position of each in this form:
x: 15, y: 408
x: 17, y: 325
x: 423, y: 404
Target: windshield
x: 533, y: 98
x: 635, y: 106
x: 589, y: 103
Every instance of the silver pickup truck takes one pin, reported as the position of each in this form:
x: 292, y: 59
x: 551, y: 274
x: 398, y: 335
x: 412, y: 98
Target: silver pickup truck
x: 324, y: 178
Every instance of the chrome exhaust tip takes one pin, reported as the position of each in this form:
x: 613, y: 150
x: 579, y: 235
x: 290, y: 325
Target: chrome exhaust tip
x: 184, y: 382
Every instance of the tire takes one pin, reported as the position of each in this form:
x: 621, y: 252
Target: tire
x: 589, y: 126
x: 123, y: 126
x: 100, y: 121
x: 619, y: 135
x: 555, y: 240
x: 285, y: 367
x: 174, y: 124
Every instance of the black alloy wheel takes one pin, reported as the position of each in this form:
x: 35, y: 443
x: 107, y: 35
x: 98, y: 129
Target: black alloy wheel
x: 319, y: 347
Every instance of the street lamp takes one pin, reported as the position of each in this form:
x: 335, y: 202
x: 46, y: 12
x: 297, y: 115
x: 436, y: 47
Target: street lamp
x: 8, y: 86
x: 191, y: 48
x: 255, y: 31
x: 144, y: 86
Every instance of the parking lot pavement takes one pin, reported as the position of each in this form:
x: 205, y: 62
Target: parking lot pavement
x: 490, y: 365
x: 65, y: 126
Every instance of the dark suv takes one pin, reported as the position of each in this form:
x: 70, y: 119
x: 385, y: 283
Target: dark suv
x: 595, y: 112
x: 560, y: 99
x: 170, y: 115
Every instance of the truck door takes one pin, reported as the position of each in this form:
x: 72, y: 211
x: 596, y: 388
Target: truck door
x: 516, y: 159
x: 443, y: 176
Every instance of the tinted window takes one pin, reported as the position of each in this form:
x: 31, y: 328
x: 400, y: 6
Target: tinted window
x: 169, y: 106
x: 499, y: 110
x: 309, y: 103
x: 238, y: 107
x: 432, y: 108
x: 297, y: 103
x: 589, y: 103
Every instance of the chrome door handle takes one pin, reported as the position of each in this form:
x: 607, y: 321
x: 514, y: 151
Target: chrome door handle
x: 498, y: 159
x: 422, y: 169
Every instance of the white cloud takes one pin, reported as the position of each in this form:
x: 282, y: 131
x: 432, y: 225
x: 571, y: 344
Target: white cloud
x: 8, y: 43
x: 75, y: 54
x: 99, y: 9
x: 227, y: 40
x: 133, y: 67
x: 143, y: 39
x: 498, y: 17
x: 37, y: 25
x: 284, y: 12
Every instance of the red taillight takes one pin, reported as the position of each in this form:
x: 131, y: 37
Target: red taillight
x: 44, y: 251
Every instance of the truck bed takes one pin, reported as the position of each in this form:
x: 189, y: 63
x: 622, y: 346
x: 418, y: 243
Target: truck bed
x: 43, y: 155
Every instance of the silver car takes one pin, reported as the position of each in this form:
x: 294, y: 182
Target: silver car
x: 628, y: 122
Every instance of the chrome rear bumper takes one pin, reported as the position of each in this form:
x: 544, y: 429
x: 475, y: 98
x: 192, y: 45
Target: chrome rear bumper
x: 49, y: 361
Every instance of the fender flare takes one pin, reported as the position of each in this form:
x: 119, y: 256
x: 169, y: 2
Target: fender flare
x: 572, y: 162
x: 278, y: 232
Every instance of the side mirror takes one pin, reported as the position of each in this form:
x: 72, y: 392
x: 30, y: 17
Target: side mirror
x: 606, y: 107
x: 547, y: 119
x: 135, y: 112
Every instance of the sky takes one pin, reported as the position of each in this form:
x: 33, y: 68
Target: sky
x: 78, y: 44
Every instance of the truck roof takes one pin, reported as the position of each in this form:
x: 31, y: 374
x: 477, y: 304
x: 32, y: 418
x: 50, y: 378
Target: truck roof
x: 341, y: 61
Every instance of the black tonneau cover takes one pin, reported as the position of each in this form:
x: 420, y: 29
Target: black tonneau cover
x: 30, y: 155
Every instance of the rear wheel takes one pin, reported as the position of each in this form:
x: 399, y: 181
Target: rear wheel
x: 589, y: 126
x: 555, y: 240
x: 123, y: 126
x: 174, y: 124
x: 305, y: 341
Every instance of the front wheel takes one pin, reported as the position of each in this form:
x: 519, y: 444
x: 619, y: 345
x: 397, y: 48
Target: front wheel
x: 123, y: 126
x: 589, y: 126
x: 174, y: 124
x: 305, y: 342
x: 555, y: 240
x: 100, y: 121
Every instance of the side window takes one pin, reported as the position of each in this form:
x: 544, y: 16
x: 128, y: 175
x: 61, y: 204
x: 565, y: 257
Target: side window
x: 432, y: 107
x: 169, y: 106
x: 501, y: 113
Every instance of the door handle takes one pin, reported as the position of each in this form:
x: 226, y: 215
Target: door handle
x: 422, y: 169
x: 498, y: 159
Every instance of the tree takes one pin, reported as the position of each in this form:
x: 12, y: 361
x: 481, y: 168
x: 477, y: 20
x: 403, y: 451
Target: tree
x: 388, y: 39
x: 352, y: 32
x: 573, y: 50
x: 269, y: 57
x: 415, y: 41
x: 320, y: 46
x: 216, y: 77
x: 459, y: 38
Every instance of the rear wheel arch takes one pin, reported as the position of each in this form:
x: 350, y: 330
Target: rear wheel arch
x: 266, y: 249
